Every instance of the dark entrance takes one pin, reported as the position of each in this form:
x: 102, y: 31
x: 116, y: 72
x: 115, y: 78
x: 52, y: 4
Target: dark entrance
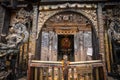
x: 66, y: 47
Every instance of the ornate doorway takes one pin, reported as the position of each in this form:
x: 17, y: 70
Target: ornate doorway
x: 66, y: 47
x: 68, y: 33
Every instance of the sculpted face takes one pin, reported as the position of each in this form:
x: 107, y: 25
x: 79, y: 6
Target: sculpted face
x: 65, y: 57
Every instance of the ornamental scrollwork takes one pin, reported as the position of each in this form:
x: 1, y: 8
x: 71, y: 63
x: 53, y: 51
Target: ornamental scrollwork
x: 92, y: 14
x: 68, y: 18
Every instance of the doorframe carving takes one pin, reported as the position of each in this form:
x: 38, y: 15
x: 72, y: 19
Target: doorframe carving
x: 47, y: 17
x: 90, y: 14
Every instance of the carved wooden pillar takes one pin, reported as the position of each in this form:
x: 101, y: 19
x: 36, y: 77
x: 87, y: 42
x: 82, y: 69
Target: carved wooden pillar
x: 33, y: 39
x: 101, y: 31
x: 101, y: 36
x: 2, y: 19
x: 34, y: 30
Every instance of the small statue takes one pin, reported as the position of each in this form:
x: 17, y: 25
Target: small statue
x: 65, y: 67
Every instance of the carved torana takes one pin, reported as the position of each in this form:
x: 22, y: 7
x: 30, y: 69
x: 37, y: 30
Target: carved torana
x: 45, y: 15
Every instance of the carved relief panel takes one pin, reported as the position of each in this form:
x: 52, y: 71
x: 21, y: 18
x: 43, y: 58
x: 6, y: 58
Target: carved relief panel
x: 67, y: 17
x: 50, y: 10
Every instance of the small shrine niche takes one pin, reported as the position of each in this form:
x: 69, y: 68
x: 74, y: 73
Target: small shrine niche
x: 73, y: 31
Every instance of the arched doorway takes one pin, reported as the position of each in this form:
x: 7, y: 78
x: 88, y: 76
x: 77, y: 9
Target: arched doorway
x: 68, y: 33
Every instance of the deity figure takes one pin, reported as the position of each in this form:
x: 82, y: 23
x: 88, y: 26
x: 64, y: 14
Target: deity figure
x: 18, y: 33
x: 65, y: 67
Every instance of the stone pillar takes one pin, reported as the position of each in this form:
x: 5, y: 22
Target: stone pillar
x: 33, y: 34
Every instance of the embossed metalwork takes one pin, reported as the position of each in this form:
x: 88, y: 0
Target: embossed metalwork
x: 68, y: 17
x: 49, y: 46
x: 87, y: 39
x: 44, y: 46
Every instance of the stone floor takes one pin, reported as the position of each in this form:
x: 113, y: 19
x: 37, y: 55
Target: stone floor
x: 23, y: 78
x: 110, y: 78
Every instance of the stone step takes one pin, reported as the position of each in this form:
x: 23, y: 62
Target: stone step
x: 110, y: 78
